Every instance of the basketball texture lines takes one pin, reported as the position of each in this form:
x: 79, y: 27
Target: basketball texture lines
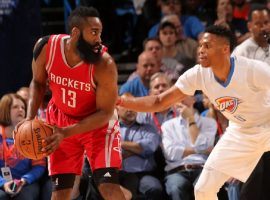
x: 28, y: 139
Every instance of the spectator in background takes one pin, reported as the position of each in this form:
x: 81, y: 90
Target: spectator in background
x: 168, y: 37
x: 166, y: 65
x: 147, y: 65
x: 186, y: 46
x: 186, y: 143
x: 139, y: 143
x: 159, y: 83
x: 45, y: 182
x: 191, y: 24
x: 154, y: 46
x: 257, y: 47
x: 24, y: 93
x: 224, y: 12
x: 203, y: 9
x: 268, y: 4
x: 241, y: 9
x: 24, y: 171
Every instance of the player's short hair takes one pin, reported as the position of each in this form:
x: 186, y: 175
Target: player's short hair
x: 256, y: 7
x: 78, y: 16
x: 224, y: 32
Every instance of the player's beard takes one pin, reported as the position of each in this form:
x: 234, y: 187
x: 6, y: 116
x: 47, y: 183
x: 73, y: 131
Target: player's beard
x: 88, y: 52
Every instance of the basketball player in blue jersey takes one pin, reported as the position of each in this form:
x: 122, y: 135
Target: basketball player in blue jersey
x: 237, y: 86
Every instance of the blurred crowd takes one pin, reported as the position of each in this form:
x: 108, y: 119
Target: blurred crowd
x: 161, y: 159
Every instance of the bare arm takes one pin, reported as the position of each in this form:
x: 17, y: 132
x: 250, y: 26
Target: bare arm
x: 153, y: 103
x: 38, y: 83
x: 106, y: 95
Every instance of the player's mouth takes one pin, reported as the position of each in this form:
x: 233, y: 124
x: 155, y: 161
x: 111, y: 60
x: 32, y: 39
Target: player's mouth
x: 97, y: 48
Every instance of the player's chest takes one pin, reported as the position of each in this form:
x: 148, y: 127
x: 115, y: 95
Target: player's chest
x: 231, y: 98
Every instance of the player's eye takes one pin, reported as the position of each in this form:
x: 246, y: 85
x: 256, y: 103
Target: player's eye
x: 94, y: 32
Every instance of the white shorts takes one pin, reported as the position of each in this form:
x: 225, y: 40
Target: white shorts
x: 237, y: 153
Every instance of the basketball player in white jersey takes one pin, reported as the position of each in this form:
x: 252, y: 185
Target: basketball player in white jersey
x: 240, y: 91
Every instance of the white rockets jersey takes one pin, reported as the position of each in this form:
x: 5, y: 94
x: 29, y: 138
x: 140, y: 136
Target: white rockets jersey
x: 244, y: 99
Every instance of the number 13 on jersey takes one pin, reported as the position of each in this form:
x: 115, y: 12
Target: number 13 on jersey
x: 69, y: 97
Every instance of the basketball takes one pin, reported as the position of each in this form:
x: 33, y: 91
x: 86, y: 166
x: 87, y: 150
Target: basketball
x: 28, y: 139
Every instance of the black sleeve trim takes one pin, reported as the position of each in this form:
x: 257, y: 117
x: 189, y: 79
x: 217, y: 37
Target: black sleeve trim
x: 44, y: 40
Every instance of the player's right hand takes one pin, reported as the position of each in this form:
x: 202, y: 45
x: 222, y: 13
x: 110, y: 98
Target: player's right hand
x: 51, y: 143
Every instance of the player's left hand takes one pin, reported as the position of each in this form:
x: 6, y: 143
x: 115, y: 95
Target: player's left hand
x: 51, y: 143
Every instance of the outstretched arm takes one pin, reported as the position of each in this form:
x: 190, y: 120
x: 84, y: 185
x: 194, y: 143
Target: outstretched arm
x: 155, y: 103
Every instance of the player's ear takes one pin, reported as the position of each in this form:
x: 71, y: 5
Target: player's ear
x: 226, y: 49
x: 75, y: 32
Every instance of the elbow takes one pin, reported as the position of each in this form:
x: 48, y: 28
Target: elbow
x: 109, y: 116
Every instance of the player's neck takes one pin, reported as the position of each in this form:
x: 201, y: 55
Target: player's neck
x: 222, y: 69
x: 70, y: 51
